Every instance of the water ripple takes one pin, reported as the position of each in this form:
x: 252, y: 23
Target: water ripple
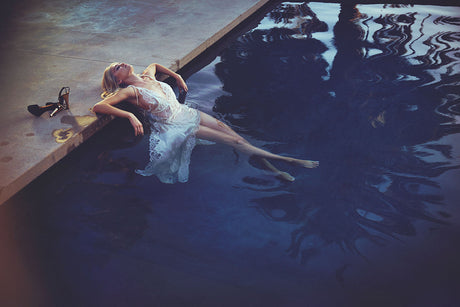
x: 376, y: 136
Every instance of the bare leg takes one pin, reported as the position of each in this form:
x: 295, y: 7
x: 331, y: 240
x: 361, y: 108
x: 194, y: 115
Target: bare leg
x: 213, y: 123
x: 231, y: 138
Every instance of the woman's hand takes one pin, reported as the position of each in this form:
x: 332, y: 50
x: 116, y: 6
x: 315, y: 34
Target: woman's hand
x: 154, y: 68
x: 137, y: 125
x: 181, y: 83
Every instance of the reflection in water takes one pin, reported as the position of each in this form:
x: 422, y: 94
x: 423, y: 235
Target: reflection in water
x: 375, y: 125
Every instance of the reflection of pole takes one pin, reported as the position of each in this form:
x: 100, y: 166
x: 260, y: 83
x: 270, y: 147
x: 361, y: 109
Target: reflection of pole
x: 348, y: 41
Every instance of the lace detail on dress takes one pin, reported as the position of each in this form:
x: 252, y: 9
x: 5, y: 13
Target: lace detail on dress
x: 172, y: 138
x: 154, y: 141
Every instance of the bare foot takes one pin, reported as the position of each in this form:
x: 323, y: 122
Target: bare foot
x: 306, y: 163
x: 279, y: 174
x: 285, y: 176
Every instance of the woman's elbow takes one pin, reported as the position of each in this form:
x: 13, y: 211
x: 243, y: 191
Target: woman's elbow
x: 98, y: 108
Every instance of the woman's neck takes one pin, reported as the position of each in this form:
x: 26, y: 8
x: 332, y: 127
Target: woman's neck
x: 133, y: 79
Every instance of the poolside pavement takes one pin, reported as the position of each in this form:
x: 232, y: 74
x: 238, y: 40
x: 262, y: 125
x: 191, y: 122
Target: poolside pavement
x: 51, y: 44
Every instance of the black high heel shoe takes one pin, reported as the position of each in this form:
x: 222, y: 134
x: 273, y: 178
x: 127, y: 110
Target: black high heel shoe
x: 62, y: 104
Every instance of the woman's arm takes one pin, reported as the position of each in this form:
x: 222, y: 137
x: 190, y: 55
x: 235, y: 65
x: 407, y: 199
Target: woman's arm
x: 154, y: 68
x: 151, y: 70
x: 106, y: 106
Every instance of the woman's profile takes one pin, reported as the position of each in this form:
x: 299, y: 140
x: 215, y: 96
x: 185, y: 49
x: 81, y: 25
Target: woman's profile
x: 175, y: 126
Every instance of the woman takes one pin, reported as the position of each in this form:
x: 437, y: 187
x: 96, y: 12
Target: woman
x: 174, y: 126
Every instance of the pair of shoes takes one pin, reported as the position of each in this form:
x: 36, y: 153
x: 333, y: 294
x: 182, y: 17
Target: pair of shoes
x: 62, y: 104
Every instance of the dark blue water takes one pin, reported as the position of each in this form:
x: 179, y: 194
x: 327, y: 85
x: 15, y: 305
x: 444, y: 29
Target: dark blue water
x: 371, y: 91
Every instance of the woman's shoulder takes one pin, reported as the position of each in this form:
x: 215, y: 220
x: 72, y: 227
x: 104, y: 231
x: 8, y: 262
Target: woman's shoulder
x: 147, y: 76
x: 126, y: 92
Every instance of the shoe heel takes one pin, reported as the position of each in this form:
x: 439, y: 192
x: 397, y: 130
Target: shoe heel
x: 64, y: 97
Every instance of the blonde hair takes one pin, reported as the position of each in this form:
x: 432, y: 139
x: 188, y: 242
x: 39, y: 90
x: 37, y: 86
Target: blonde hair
x: 109, y: 83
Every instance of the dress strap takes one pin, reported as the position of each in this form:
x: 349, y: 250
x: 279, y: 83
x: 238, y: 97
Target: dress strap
x: 135, y: 92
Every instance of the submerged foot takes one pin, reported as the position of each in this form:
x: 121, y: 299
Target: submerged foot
x: 285, y: 176
x: 279, y: 174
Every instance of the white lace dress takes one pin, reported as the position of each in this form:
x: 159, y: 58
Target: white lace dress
x: 172, y: 139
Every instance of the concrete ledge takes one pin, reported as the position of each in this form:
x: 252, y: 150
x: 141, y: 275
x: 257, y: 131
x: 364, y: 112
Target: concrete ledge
x: 219, y: 35
x: 46, y: 162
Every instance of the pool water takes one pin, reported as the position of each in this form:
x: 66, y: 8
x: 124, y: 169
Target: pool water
x: 371, y: 91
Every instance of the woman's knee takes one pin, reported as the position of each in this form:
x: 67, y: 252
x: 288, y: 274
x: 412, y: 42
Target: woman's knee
x: 238, y: 140
x: 213, y: 123
x: 221, y: 126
